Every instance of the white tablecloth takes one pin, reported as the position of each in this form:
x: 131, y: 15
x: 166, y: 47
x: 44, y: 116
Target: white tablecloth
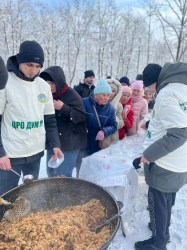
x: 112, y: 169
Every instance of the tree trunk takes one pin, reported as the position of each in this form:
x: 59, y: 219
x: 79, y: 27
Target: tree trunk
x: 75, y: 66
x: 149, y: 39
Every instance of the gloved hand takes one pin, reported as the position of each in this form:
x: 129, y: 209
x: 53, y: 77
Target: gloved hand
x: 136, y: 163
x: 100, y: 135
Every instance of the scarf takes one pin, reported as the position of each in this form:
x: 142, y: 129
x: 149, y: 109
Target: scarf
x: 149, y: 100
x: 61, y: 92
x: 96, y: 100
x: 89, y: 85
x: 136, y: 98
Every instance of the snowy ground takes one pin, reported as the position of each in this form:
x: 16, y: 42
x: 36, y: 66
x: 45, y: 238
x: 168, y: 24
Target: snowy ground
x: 136, y: 221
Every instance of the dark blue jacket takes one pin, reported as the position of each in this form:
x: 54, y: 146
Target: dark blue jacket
x: 107, y: 119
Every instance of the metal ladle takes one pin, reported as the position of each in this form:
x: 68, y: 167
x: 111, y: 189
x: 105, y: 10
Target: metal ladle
x: 114, y: 217
x: 27, y: 179
x: 120, y: 205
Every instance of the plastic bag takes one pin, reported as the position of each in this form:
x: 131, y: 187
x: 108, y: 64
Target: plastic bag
x: 142, y: 132
x: 127, y: 108
x: 147, y: 117
x: 129, y: 147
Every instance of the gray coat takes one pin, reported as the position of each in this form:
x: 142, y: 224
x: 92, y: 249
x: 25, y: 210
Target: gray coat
x: 155, y: 176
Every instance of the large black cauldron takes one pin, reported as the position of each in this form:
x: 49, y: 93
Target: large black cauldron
x: 62, y: 192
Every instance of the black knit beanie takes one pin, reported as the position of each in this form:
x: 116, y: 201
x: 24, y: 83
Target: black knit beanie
x: 89, y: 73
x: 151, y: 73
x: 3, y: 74
x: 30, y: 51
x: 124, y: 79
x: 139, y: 77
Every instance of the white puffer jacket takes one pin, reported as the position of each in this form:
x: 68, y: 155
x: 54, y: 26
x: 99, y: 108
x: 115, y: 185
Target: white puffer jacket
x: 170, y: 111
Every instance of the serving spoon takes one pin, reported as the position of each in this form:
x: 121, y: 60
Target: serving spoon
x: 27, y: 179
x: 120, y: 205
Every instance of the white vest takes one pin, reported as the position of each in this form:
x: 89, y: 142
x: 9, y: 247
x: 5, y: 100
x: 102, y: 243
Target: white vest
x: 170, y: 111
x: 23, y: 106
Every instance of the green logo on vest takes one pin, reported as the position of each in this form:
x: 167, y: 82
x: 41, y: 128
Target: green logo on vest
x: 42, y: 98
x: 182, y: 105
x: 149, y: 134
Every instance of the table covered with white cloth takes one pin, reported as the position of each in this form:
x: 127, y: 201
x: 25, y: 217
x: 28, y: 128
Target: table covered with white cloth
x: 112, y: 169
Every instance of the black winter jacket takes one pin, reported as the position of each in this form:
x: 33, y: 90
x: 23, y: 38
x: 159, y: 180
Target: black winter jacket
x: 83, y: 89
x: 151, y: 104
x: 71, y: 119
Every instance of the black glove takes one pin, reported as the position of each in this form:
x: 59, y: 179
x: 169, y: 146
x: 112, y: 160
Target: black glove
x: 136, y: 163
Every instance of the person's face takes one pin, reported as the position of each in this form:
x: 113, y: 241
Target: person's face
x: 103, y: 98
x: 125, y: 97
x: 53, y: 86
x: 90, y: 79
x: 153, y: 87
x: 29, y: 69
x: 124, y: 84
x: 148, y: 95
x: 136, y: 92
x: 113, y: 93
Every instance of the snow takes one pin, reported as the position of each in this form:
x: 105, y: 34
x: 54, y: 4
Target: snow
x: 137, y: 219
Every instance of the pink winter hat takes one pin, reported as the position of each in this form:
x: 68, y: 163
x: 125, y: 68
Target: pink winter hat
x: 126, y: 90
x: 137, y: 85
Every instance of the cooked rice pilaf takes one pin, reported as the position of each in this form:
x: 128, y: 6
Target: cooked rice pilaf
x: 68, y: 229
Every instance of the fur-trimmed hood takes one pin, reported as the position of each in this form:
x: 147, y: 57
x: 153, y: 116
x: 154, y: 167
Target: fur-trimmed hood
x: 117, y: 97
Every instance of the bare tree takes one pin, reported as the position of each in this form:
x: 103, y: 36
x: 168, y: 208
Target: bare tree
x: 78, y: 18
x: 15, y: 19
x: 78, y: 35
x: 173, y: 18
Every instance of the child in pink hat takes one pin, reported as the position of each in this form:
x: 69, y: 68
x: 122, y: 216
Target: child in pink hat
x: 128, y: 113
x: 139, y: 105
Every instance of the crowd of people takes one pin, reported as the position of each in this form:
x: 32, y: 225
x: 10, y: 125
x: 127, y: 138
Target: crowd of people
x: 40, y: 111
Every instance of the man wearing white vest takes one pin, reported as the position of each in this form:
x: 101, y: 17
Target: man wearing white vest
x: 27, y: 117
x: 165, y: 155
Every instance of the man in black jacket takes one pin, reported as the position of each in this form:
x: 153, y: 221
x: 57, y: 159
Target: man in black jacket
x: 27, y: 117
x: 84, y: 89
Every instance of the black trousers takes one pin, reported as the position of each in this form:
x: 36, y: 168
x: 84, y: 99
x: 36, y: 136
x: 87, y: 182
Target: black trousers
x: 160, y: 205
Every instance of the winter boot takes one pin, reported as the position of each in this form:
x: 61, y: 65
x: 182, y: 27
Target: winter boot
x: 150, y: 244
x: 167, y: 235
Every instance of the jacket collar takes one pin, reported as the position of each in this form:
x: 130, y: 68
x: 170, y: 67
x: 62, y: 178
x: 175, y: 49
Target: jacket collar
x: 87, y: 85
x: 128, y: 103
x: 91, y: 97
